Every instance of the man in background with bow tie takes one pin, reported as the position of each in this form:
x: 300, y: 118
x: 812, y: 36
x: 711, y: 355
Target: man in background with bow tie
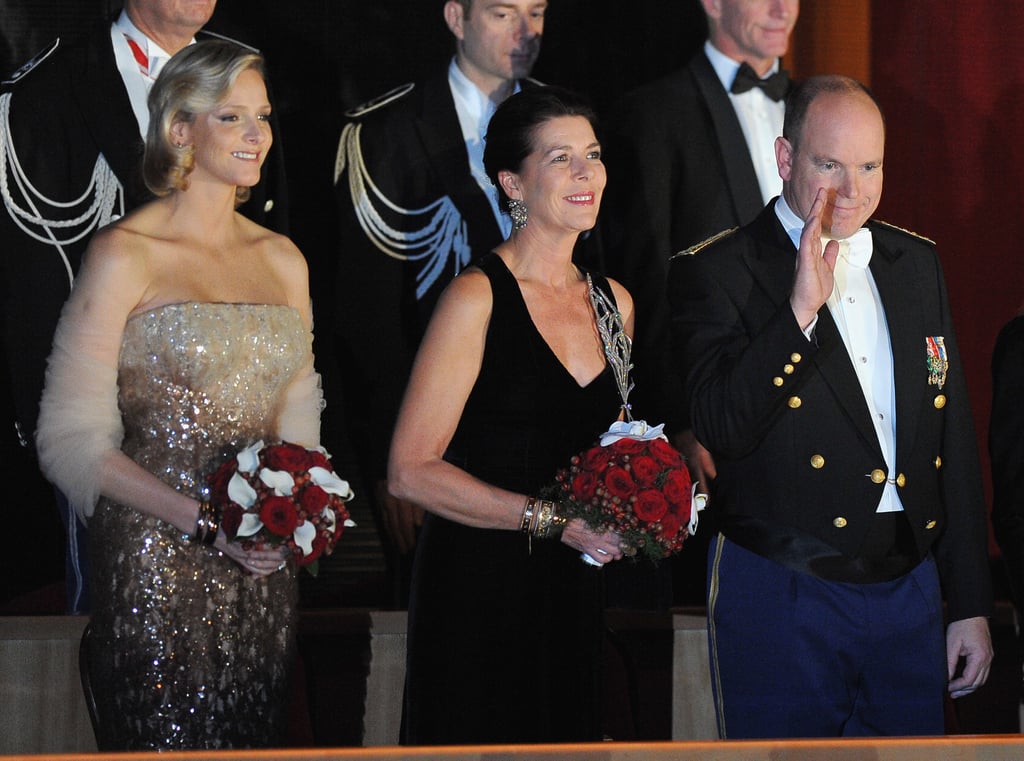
x: 688, y: 156
x: 72, y: 125
x: 822, y: 372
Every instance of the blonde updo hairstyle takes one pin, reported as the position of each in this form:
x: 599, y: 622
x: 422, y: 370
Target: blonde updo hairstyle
x: 195, y: 81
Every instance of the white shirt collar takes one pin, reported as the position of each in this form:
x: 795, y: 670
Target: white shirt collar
x: 150, y: 48
x: 470, y: 100
x: 726, y: 68
x: 791, y: 223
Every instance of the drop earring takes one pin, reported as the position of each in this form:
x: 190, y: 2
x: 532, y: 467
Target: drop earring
x: 517, y: 210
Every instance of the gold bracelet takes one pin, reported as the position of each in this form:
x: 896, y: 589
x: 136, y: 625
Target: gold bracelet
x: 207, y: 524
x: 526, y: 522
x: 213, y: 516
x: 549, y: 522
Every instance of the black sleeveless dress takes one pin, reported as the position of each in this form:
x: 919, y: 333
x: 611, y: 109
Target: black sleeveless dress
x: 504, y: 639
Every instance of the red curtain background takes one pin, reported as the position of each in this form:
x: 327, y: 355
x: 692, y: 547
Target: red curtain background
x: 950, y: 77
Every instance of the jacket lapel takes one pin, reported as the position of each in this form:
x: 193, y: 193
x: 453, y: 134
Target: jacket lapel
x: 904, y: 318
x: 108, y: 114
x: 739, y: 169
x: 441, y: 134
x: 832, y: 359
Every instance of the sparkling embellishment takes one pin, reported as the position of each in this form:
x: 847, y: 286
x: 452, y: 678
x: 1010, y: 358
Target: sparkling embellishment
x: 189, y: 651
x: 618, y: 347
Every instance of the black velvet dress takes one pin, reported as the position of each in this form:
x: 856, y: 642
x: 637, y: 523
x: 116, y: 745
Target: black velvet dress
x: 505, y: 640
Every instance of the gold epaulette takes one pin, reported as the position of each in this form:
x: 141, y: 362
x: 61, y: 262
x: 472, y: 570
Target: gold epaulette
x: 380, y: 101
x: 897, y: 228
x: 704, y: 243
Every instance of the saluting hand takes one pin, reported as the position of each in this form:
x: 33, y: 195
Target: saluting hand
x: 813, y: 279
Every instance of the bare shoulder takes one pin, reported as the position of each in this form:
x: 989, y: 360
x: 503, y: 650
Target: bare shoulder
x: 277, y: 250
x: 282, y: 259
x: 623, y: 298
x: 121, y: 246
x: 467, y: 298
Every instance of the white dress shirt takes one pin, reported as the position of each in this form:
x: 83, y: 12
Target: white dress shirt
x: 475, y: 110
x: 760, y: 119
x: 856, y: 307
x: 136, y: 82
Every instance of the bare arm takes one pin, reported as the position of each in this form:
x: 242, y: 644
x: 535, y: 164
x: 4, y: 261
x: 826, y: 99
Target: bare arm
x: 443, y: 375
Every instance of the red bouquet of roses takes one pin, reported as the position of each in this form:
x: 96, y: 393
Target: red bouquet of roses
x: 282, y: 494
x: 634, y: 483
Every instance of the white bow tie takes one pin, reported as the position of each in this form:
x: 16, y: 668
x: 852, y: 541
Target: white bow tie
x: 857, y: 248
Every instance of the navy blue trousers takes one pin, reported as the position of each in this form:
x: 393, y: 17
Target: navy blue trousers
x: 793, y: 655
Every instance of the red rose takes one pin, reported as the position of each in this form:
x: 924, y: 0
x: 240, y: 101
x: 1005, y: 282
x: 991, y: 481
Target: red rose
x: 318, y: 459
x: 677, y: 486
x: 279, y: 515
x: 645, y: 469
x: 665, y: 453
x: 650, y: 505
x: 231, y: 519
x: 670, y: 526
x: 682, y: 512
x: 584, y: 485
x: 288, y: 457
x: 313, y: 499
x: 620, y: 484
x: 218, y: 480
x: 595, y: 459
x: 629, y: 446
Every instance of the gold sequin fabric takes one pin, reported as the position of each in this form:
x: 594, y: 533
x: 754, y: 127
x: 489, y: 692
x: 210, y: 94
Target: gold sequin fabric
x: 188, y: 651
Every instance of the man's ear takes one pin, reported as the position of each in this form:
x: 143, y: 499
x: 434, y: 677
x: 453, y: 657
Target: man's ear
x: 784, y: 157
x: 453, y: 17
x: 712, y: 9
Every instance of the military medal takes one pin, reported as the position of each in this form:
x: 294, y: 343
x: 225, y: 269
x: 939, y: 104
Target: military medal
x: 938, y: 364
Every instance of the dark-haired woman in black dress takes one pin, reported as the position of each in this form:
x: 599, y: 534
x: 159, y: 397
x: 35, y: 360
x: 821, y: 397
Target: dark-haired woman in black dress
x: 511, y: 380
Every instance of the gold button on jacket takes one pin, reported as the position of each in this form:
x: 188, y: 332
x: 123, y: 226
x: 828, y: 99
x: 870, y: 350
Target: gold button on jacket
x: 878, y: 476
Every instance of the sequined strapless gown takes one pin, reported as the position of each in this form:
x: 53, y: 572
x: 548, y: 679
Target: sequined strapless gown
x: 188, y: 651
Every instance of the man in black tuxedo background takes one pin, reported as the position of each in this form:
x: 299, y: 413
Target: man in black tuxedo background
x: 690, y: 155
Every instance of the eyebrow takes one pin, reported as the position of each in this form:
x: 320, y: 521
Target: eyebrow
x: 567, y: 147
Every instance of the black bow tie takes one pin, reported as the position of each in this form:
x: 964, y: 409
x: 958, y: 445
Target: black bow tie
x: 775, y: 86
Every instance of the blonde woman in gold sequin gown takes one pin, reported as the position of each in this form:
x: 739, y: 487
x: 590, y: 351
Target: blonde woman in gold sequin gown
x: 187, y: 337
